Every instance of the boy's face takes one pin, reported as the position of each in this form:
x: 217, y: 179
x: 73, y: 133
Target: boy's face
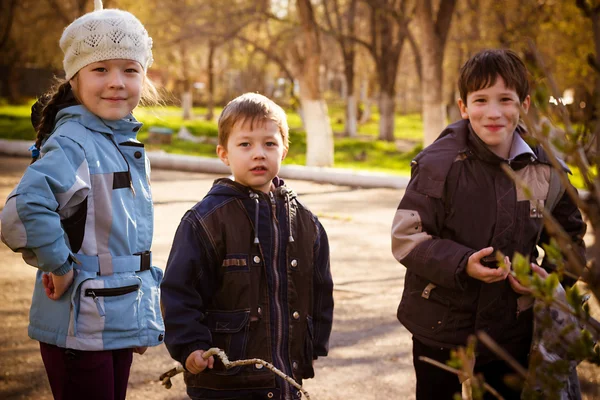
x: 254, y: 155
x: 494, y: 115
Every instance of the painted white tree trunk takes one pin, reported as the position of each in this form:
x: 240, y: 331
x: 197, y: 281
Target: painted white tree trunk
x: 186, y: 105
x: 434, y: 119
x: 319, y: 136
x: 366, y: 115
x: 386, y: 119
x: 351, y: 116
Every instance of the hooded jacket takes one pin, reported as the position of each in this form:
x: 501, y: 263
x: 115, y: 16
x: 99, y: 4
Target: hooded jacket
x: 248, y: 273
x: 86, y: 204
x: 459, y: 201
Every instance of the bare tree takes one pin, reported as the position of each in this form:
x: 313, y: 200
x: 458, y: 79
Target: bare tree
x: 319, y: 136
x: 389, y: 21
x: 434, y: 32
x: 343, y: 25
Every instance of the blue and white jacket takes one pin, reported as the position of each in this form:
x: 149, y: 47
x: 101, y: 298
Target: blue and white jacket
x: 86, y: 204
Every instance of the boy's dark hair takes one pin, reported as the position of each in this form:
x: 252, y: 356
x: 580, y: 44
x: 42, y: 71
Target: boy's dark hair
x: 253, y: 108
x: 483, y: 68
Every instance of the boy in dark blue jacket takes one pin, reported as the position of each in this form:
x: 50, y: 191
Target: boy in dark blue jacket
x: 249, y: 269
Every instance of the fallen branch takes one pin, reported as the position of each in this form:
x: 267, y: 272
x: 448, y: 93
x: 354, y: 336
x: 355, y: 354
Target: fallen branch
x: 214, y: 351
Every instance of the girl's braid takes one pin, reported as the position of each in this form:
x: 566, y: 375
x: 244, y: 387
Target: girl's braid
x: 50, y: 104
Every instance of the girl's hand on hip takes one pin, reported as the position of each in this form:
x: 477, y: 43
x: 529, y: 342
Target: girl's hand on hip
x: 57, y: 285
x: 488, y: 275
x: 195, y: 363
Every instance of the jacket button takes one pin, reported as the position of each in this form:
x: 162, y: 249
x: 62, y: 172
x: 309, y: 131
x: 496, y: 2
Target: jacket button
x: 256, y: 259
x: 270, y: 395
x: 294, y: 263
x: 295, y: 315
x: 295, y: 365
x: 258, y: 366
x: 160, y: 337
x: 259, y: 310
x: 137, y: 154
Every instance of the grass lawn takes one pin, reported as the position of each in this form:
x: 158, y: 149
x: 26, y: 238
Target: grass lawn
x: 362, y: 153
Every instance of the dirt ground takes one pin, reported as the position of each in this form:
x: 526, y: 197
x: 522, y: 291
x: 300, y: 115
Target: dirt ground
x: 370, y: 355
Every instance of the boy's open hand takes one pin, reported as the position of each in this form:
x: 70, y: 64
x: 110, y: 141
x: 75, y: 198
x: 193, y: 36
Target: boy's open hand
x: 57, y: 285
x: 516, y: 285
x: 195, y: 363
x: 488, y: 275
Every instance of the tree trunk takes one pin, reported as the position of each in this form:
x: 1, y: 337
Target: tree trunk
x: 186, y: 96
x: 186, y: 105
x: 319, y: 136
x: 210, y: 106
x: 433, y: 35
x: 351, y: 111
x: 434, y: 108
x: 351, y: 116
x: 387, y: 107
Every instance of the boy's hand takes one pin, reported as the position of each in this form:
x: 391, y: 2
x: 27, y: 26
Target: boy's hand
x: 195, y: 363
x: 57, y: 285
x: 488, y: 275
x: 516, y: 285
x: 140, y: 350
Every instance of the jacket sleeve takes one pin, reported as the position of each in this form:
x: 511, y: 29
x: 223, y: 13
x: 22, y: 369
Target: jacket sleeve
x: 188, y: 281
x: 569, y: 217
x: 50, y: 188
x: 416, y: 241
x: 323, y: 294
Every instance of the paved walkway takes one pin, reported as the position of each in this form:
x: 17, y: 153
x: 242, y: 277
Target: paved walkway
x: 370, y: 351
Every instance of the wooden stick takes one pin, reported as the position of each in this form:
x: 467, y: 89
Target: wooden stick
x: 215, y: 351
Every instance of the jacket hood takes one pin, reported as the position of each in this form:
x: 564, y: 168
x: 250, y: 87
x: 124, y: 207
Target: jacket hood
x: 228, y: 187
x: 225, y: 187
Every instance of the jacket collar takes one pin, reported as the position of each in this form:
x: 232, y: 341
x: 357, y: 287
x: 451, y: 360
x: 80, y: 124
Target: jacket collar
x: 520, y: 153
x: 127, y: 126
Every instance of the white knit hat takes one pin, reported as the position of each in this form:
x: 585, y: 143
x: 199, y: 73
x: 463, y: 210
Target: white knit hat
x: 104, y: 35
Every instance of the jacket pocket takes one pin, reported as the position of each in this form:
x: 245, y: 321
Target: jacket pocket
x: 106, y: 308
x: 229, y: 331
x: 425, y: 313
x: 151, y: 321
x: 307, y: 364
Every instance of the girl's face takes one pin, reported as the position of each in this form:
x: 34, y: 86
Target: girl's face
x: 111, y: 89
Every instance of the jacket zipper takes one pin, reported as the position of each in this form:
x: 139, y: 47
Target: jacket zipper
x: 108, y: 292
x: 276, y: 287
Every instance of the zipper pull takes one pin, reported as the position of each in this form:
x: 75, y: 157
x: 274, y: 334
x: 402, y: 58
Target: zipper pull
x: 98, y: 305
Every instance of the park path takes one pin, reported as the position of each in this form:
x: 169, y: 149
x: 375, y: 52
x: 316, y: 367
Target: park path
x: 370, y: 352
x: 370, y: 355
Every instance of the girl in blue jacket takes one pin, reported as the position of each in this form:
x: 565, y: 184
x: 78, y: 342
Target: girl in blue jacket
x: 83, y: 215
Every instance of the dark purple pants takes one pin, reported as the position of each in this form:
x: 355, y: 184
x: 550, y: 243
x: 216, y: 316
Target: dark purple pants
x: 90, y: 375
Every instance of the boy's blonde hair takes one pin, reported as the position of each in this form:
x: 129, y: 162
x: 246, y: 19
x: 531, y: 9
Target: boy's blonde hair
x: 256, y: 109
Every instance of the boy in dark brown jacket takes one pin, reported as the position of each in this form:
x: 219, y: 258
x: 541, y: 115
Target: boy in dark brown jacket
x: 459, y: 207
x: 249, y: 269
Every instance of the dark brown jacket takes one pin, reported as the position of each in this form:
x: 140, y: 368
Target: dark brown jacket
x: 459, y: 201
x: 255, y: 293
